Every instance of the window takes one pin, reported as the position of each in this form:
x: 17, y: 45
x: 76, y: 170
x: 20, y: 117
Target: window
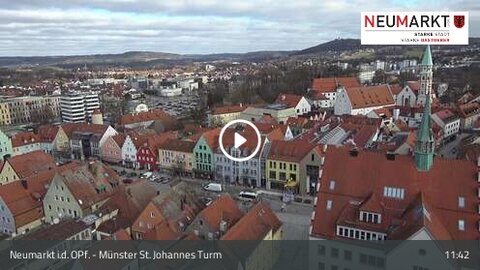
x: 152, y: 214
x: 334, y: 252
x: 329, y: 204
x: 332, y: 184
x: 461, y: 225
x: 321, y: 250
x: 347, y: 255
x: 273, y: 175
x: 461, y: 202
x: 282, y: 176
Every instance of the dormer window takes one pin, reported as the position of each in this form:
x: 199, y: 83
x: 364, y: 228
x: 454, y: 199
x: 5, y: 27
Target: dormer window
x: 370, y: 217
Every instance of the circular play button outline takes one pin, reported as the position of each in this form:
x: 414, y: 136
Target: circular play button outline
x: 259, y: 139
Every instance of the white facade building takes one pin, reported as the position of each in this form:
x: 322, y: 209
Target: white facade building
x: 78, y: 107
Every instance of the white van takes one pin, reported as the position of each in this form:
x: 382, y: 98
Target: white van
x: 213, y: 187
x: 146, y: 175
x: 247, y: 196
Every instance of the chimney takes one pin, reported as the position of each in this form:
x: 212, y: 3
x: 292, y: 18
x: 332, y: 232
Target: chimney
x: 390, y: 156
x: 396, y: 114
x: 24, y: 183
x: 223, y: 226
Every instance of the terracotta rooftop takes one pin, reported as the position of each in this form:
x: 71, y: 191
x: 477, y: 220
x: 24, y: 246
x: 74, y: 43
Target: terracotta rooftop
x: 90, y: 182
x: 223, y: 208
x: 31, y: 163
x: 330, y: 84
x: 24, y: 138
x: 413, y: 85
x: 154, y: 115
x: 370, y: 96
x: 47, y: 133
x: 371, y: 173
x: 289, y: 100
x: 24, y: 198
x: 229, y: 109
x: 178, y: 145
x: 119, y: 139
x: 255, y: 224
x: 469, y: 109
x: 291, y: 151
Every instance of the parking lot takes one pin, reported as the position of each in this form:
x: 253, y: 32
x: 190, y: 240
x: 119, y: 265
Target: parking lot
x: 295, y: 216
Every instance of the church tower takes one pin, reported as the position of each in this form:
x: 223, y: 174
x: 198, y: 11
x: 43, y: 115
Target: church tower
x: 425, y: 145
x: 426, y: 77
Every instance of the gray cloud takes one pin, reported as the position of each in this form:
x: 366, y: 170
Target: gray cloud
x: 50, y: 27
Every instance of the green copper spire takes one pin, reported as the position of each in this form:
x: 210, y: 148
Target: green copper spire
x: 425, y: 146
x: 427, y: 57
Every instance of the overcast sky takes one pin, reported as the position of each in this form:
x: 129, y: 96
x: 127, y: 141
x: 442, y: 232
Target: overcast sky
x: 69, y: 27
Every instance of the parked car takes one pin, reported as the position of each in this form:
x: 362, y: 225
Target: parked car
x: 146, y: 175
x: 216, y: 187
x: 207, y: 201
x: 123, y: 172
x: 246, y: 195
x: 132, y: 174
x: 127, y: 181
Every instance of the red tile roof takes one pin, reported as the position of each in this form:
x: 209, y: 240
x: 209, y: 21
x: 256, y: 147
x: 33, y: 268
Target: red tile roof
x: 224, y: 208
x: 358, y: 177
x: 395, y: 88
x: 47, y: 133
x: 414, y: 86
x: 469, y: 109
x: 84, y: 181
x: 330, y: 84
x: 228, y: 109
x: 31, y: 163
x: 291, y: 151
x: 255, y: 224
x: 178, y: 145
x: 154, y: 115
x: 289, y: 100
x: 119, y: 139
x: 370, y: 96
x: 24, y: 138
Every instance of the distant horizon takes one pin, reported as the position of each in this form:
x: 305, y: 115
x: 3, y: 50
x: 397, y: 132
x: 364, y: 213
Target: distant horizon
x: 77, y: 27
x: 213, y: 53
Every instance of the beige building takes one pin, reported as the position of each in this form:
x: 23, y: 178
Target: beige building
x: 279, y: 112
x: 220, y: 116
x: 21, y: 110
x: 176, y: 154
x: 23, y: 166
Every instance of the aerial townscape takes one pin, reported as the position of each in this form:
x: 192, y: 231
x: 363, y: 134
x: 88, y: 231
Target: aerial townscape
x: 340, y: 141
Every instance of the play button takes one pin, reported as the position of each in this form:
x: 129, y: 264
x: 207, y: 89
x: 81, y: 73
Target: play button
x: 239, y: 140
x: 231, y: 137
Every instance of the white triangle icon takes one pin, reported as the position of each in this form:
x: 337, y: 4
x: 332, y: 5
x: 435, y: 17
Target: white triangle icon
x: 238, y: 140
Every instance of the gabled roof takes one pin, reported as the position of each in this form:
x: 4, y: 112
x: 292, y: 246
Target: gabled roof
x: 330, y: 84
x: 24, y: 197
x: 224, y: 208
x: 24, y: 138
x: 370, y: 96
x: 31, y: 163
x: 178, y: 145
x: 211, y: 137
x: 47, y: 133
x: 255, y: 224
x: 154, y: 142
x: 130, y: 201
x: 90, y: 182
x: 290, y: 151
x: 289, y: 100
x: 154, y: 115
x: 372, y: 172
x: 414, y: 86
x: 119, y: 139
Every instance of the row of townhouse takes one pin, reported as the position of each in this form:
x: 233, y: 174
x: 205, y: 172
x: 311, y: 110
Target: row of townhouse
x: 277, y: 165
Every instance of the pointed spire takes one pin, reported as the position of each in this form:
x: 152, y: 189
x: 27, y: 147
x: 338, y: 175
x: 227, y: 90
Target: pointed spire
x: 424, y: 130
x: 427, y: 57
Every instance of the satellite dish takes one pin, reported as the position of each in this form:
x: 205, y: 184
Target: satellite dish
x: 56, y: 221
x: 141, y: 108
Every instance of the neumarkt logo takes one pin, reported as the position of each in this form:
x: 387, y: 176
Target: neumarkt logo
x: 403, y: 28
x: 414, y: 21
